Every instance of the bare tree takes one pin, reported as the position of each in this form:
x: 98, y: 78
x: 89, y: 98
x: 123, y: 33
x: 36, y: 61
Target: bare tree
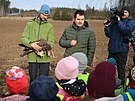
x: 4, y: 4
x: 121, y: 3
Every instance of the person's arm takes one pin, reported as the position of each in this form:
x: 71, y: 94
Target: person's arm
x: 107, y: 27
x: 107, y: 31
x: 91, y: 48
x: 126, y: 28
x: 25, y: 37
x: 63, y: 42
x: 50, y: 37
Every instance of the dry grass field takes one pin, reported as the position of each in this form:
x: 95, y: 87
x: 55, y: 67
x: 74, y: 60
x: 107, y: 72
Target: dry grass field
x: 11, y: 30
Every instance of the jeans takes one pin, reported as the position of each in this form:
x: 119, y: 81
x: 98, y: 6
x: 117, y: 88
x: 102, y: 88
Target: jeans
x: 36, y: 69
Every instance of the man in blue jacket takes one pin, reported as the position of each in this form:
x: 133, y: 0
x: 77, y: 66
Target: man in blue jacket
x: 118, y: 34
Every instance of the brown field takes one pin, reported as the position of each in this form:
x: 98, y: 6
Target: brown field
x: 11, y: 30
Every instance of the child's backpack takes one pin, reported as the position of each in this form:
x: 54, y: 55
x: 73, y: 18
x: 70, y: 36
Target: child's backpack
x: 131, y: 78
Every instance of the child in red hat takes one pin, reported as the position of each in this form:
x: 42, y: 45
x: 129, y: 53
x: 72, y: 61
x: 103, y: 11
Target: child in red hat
x: 102, y: 81
x: 17, y: 84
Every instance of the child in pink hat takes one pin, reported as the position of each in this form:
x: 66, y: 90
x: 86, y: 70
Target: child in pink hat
x: 66, y: 73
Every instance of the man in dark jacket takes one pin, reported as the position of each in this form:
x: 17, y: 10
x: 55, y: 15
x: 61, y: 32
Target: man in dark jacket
x: 79, y: 38
x: 118, y: 34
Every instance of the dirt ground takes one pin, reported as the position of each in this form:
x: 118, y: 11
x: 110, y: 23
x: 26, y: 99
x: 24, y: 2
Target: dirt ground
x: 11, y: 30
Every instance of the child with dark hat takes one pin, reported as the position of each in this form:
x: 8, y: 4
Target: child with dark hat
x: 129, y: 94
x: 102, y: 81
x: 43, y: 88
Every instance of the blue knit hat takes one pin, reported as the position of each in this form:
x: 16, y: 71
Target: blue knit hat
x: 45, y: 9
x: 112, y: 60
x: 43, y: 88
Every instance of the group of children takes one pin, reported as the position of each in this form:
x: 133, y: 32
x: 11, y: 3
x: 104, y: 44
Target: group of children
x: 73, y: 83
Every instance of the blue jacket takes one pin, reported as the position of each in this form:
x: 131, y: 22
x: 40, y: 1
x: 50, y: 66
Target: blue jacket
x: 118, y: 35
x: 129, y: 95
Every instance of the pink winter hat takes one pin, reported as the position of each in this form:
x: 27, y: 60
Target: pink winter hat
x: 67, y: 68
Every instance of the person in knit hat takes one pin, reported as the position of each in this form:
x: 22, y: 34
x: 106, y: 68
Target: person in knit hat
x: 43, y: 88
x: 37, y: 29
x: 126, y: 8
x: 67, y: 68
x: 119, y: 32
x: 17, y: 84
x: 82, y: 59
x: 102, y: 81
x: 16, y: 80
x: 66, y: 73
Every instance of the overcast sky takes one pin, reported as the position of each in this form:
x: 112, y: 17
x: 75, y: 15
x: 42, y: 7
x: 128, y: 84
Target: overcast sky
x: 35, y: 4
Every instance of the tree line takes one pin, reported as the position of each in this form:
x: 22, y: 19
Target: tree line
x: 130, y: 3
x: 4, y: 6
x: 67, y: 13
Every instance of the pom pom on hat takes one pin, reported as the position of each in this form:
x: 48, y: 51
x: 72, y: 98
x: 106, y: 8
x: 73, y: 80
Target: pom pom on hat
x: 67, y: 68
x: 16, y: 80
x: 45, y: 9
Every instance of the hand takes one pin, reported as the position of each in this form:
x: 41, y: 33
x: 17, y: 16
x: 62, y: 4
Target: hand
x: 35, y: 46
x: 73, y: 43
x: 106, y: 22
x: 118, y: 17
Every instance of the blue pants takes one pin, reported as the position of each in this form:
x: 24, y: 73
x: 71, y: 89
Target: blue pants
x: 36, y: 69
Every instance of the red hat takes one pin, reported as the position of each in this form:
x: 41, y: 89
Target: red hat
x: 16, y: 80
x: 102, y: 81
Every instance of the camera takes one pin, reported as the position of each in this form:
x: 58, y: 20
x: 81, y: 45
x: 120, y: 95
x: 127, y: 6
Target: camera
x: 114, y: 12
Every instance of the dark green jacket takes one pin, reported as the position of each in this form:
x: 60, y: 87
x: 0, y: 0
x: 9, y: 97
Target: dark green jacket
x: 34, y: 30
x: 86, y: 41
